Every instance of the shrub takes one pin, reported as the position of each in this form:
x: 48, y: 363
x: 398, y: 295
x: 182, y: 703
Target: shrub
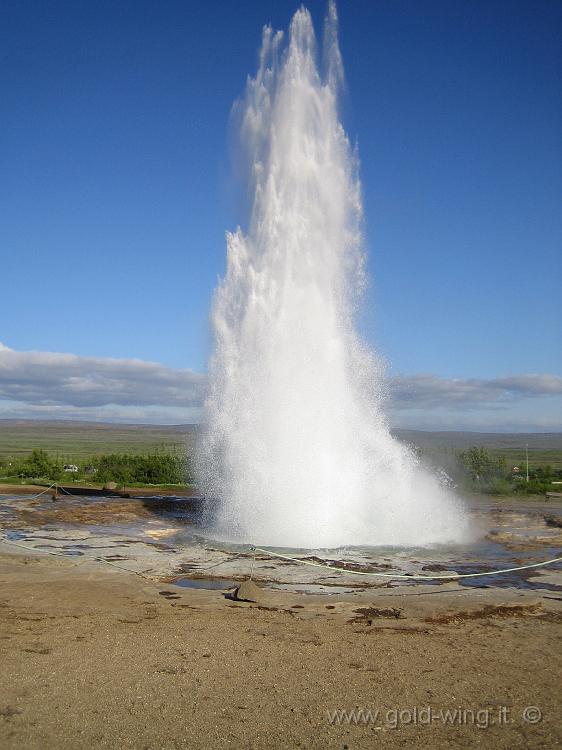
x: 37, y: 466
x: 158, y: 468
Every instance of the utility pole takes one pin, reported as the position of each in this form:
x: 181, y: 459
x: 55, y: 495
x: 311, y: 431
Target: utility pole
x: 527, y: 456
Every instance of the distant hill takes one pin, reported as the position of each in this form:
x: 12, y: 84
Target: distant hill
x: 69, y: 438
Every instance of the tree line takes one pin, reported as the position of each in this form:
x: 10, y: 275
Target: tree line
x: 122, y: 468
x: 475, y: 470
x: 479, y: 470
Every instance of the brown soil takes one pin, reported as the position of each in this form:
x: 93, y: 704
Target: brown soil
x: 96, y: 658
x: 489, y: 611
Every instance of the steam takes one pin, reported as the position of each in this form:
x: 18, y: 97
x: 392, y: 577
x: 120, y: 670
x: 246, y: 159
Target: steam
x: 296, y: 450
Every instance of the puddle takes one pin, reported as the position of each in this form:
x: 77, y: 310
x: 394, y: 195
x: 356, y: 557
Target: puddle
x: 160, y: 532
x: 67, y: 551
x: 14, y: 534
x: 523, y: 579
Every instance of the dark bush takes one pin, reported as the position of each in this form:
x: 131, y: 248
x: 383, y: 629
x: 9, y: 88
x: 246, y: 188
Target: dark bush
x: 38, y: 465
x: 158, y: 468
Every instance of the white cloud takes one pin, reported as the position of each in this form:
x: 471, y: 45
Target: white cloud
x: 67, y: 386
x: 53, y: 379
x: 431, y: 390
x: 137, y: 414
x: 519, y: 403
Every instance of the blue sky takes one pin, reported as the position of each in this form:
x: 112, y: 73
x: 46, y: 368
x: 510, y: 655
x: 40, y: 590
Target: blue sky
x: 116, y: 189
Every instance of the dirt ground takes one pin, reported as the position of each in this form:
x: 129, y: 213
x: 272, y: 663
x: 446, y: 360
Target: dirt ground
x: 97, y: 658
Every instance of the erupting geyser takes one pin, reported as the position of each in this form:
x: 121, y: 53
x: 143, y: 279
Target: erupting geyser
x: 296, y: 451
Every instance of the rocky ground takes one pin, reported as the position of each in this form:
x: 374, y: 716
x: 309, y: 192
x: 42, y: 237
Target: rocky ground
x: 97, y: 656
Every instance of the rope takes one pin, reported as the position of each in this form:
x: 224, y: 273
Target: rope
x: 252, y: 565
x: 85, y: 557
x: 269, y: 553
x: 64, y: 491
x: 222, y: 562
x: 448, y: 576
x: 34, y: 497
x: 113, y: 564
x: 67, y: 493
x: 45, y: 491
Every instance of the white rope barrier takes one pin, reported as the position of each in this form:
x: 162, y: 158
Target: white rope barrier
x: 84, y: 559
x: 34, y: 497
x: 407, y: 576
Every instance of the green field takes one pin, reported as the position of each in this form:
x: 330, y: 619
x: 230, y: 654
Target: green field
x: 79, y: 440
x: 545, y: 448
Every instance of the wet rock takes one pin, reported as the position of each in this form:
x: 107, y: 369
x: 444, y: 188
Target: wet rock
x: 553, y: 521
x: 248, y: 592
